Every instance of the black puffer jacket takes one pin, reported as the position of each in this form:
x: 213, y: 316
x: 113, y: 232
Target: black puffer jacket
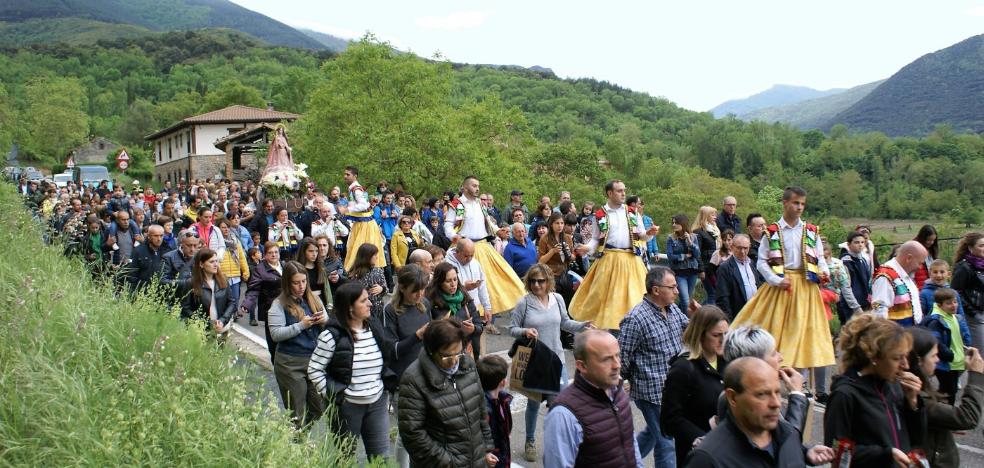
x: 865, y: 409
x: 443, y: 418
x: 195, y: 307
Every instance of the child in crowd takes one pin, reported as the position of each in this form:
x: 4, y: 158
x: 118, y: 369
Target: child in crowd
x: 492, y: 371
x: 952, y: 334
x: 939, y: 277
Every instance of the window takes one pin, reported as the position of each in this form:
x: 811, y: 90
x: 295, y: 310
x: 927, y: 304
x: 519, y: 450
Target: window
x: 160, y: 155
x: 102, y: 145
x: 237, y: 158
x: 188, y: 142
x: 169, y: 146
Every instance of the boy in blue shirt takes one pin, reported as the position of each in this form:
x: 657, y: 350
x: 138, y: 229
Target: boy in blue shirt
x: 939, y: 277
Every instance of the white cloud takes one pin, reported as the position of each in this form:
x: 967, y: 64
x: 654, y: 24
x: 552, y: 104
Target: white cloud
x: 453, y: 21
x: 975, y: 11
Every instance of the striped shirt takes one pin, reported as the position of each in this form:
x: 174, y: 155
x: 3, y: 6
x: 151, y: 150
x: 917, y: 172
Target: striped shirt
x: 367, y: 367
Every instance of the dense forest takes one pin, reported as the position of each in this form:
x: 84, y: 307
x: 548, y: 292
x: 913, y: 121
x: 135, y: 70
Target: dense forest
x: 427, y: 122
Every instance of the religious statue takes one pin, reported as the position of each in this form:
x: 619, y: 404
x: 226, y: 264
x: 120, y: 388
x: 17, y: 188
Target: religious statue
x: 279, y: 157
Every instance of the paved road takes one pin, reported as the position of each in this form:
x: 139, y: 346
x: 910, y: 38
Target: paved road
x: 971, y: 444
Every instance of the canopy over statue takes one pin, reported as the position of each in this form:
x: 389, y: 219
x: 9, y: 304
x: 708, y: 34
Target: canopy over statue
x: 279, y: 157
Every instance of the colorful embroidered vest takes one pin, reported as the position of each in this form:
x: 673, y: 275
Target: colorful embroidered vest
x: 901, y: 307
x: 358, y: 215
x: 777, y: 261
x: 601, y: 216
x: 459, y: 217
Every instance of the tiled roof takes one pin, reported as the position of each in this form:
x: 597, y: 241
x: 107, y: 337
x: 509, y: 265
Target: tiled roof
x: 231, y: 114
x: 261, y: 127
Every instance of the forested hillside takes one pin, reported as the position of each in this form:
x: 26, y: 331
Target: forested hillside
x: 157, y: 15
x: 426, y: 124
x: 944, y: 86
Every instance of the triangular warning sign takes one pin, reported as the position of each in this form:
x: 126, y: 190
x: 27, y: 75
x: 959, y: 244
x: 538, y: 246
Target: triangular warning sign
x: 123, y: 156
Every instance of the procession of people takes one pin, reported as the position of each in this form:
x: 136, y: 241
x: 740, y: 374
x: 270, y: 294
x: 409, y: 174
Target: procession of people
x: 364, y: 313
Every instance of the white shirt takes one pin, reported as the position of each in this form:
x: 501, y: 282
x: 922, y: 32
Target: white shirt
x: 471, y: 272
x: 329, y: 228
x: 358, y: 199
x: 792, y: 251
x: 619, y: 233
x: 883, y: 293
x: 747, y: 277
x: 473, y: 227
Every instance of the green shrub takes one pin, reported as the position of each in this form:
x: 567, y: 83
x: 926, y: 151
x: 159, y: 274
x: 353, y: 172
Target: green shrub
x: 86, y: 379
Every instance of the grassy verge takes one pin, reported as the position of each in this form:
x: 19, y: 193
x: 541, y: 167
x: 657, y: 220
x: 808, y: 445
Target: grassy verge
x: 89, y: 380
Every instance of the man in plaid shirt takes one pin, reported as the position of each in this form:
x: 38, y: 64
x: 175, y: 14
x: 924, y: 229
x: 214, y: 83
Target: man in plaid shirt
x: 650, y: 335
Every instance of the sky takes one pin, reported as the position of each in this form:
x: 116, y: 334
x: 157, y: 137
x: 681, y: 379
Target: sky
x: 696, y: 53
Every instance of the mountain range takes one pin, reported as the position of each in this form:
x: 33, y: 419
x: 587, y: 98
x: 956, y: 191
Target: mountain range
x: 945, y: 87
x: 775, y: 96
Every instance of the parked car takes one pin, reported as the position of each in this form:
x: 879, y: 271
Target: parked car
x: 62, y: 179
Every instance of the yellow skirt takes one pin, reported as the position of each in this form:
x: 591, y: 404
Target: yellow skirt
x: 795, y: 318
x: 505, y: 288
x: 364, y: 232
x: 614, y: 285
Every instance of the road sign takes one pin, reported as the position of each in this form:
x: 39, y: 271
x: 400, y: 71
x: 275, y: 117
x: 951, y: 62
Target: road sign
x: 71, y: 162
x: 123, y: 156
x: 122, y: 165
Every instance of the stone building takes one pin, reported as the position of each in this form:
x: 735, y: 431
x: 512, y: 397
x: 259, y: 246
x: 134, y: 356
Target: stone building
x: 187, y: 149
x: 95, y: 151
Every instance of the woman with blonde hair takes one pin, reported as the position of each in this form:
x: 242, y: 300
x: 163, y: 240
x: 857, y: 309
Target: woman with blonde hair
x: 694, y: 381
x: 296, y: 317
x: 875, y: 402
x: 708, y: 236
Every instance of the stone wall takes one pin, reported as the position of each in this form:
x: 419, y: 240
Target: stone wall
x: 95, y: 151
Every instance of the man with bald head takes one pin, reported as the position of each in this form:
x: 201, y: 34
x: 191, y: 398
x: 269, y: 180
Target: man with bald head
x: 727, y: 219
x: 753, y: 433
x: 471, y: 277
x: 148, y: 259
x: 423, y: 259
x: 894, y: 294
x: 590, y: 421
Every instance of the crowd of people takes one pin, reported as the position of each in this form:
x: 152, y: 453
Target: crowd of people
x: 373, y: 303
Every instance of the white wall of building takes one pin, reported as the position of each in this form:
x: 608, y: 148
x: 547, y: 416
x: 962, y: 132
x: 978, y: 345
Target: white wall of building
x: 175, y: 145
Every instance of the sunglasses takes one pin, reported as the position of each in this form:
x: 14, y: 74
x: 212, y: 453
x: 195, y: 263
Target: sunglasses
x: 538, y: 281
x: 189, y: 233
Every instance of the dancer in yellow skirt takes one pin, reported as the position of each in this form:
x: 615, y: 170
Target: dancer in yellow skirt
x: 469, y: 219
x: 364, y: 227
x: 616, y: 281
x: 790, y: 307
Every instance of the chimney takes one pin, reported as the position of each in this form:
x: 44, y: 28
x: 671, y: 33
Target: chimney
x: 269, y: 105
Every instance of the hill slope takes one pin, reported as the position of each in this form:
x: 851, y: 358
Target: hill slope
x: 812, y: 113
x: 944, y: 87
x: 777, y: 95
x: 329, y: 41
x: 72, y: 30
x: 157, y: 15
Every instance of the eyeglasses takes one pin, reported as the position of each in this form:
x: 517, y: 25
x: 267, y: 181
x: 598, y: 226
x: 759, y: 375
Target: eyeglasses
x: 538, y: 280
x: 405, y: 222
x: 452, y: 358
x: 667, y: 286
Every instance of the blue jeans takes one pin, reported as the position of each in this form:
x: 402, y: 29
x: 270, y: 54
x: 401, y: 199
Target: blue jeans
x: 686, y: 285
x: 234, y: 296
x: 709, y: 288
x: 533, y: 406
x: 652, y: 438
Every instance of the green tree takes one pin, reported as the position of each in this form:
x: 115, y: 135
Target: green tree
x: 233, y: 92
x: 55, y: 117
x: 392, y: 115
x: 139, y: 121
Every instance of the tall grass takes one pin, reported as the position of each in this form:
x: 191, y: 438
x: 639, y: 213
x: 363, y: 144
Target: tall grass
x: 89, y: 380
